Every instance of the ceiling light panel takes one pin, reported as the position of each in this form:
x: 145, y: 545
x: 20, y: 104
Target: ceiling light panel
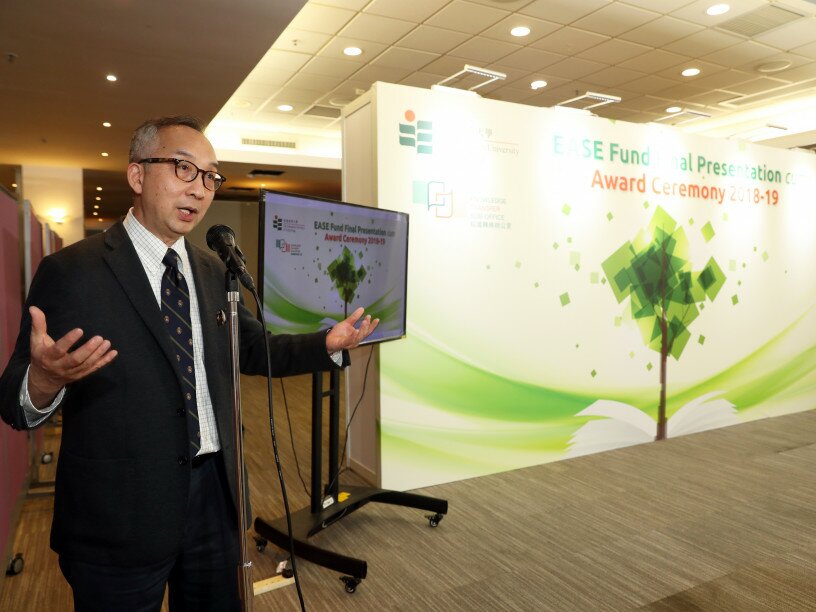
x: 467, y: 17
x: 695, y: 12
x: 435, y: 40
x: 366, y: 27
x: 334, y: 49
x: 320, y: 18
x: 415, y: 11
x: 615, y: 19
x: 538, y: 29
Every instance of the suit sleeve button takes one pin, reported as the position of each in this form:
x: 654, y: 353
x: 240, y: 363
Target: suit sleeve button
x: 183, y: 460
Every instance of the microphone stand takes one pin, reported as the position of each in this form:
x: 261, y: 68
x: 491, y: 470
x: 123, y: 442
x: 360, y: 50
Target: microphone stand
x: 245, y: 584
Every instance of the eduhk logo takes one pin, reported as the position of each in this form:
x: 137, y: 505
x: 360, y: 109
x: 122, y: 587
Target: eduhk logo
x: 416, y: 134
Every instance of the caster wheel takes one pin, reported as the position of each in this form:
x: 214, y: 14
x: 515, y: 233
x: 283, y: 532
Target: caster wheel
x: 433, y: 519
x: 47, y: 458
x: 260, y: 544
x: 15, y: 565
x: 350, y: 583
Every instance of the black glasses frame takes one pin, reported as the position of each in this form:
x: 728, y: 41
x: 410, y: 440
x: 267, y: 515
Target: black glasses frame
x: 218, y: 179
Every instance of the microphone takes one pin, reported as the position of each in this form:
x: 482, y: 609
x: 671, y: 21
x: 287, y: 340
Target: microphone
x: 221, y: 239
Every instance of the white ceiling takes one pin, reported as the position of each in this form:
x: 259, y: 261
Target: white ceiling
x: 634, y: 49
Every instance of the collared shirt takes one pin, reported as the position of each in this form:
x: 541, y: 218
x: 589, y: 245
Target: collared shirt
x: 151, y: 251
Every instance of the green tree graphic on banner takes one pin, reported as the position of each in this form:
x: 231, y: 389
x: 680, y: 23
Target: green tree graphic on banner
x: 654, y: 272
x: 345, y: 277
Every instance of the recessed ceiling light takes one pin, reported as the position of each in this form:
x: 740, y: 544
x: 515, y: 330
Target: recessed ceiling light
x: 14, y: 185
x: 99, y: 189
x: 99, y: 219
x: 263, y: 184
x: 285, y: 108
x: 520, y: 31
x: 352, y: 51
x: 95, y: 213
x: 96, y: 206
x: 98, y: 198
x: 673, y: 109
x: 106, y: 124
x: 111, y: 78
x: 104, y: 154
x: 717, y: 9
x: 690, y: 72
x: 538, y: 84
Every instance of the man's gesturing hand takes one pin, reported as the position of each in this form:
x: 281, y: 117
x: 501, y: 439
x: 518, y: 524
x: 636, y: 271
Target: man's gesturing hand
x: 345, y: 336
x: 53, y: 366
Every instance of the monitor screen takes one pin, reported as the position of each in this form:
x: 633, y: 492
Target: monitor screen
x: 321, y: 259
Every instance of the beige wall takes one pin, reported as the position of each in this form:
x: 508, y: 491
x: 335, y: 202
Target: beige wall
x: 56, y: 193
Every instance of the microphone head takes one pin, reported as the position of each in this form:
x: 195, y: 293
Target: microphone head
x: 219, y: 236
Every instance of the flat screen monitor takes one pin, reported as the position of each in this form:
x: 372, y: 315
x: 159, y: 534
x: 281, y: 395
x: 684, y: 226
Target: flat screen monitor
x: 321, y: 259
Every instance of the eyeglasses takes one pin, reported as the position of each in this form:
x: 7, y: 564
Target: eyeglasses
x: 188, y: 171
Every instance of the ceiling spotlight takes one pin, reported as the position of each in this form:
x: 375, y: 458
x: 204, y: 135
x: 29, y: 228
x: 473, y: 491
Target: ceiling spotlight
x: 352, y: 51
x: 106, y: 124
x: 520, y: 31
x: 538, y: 84
x: 96, y: 206
x: 99, y: 218
x: 111, y: 78
x: 99, y: 189
x: 263, y: 184
x: 95, y: 213
x: 285, y: 108
x: 14, y: 185
x: 717, y: 9
x: 673, y: 109
x: 104, y: 154
x: 690, y: 72
x: 98, y: 198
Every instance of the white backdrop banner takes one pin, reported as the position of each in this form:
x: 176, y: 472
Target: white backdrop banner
x: 578, y: 284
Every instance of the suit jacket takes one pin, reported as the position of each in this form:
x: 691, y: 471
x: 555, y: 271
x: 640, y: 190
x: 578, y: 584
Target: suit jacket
x: 123, y: 474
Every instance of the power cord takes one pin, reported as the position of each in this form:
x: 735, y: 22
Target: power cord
x: 277, y: 457
x: 292, y: 438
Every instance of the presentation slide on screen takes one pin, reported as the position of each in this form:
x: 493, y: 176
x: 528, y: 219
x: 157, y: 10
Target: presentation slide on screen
x: 323, y: 259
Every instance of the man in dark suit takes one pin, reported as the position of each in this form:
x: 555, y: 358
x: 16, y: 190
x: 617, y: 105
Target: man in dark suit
x: 145, y: 487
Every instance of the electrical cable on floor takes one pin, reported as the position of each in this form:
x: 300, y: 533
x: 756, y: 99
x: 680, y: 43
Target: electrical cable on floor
x: 292, y: 438
x: 277, y: 458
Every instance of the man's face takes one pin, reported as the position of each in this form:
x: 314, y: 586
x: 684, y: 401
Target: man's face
x: 164, y: 204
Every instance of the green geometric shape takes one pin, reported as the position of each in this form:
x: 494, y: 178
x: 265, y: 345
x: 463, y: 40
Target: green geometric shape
x: 565, y: 299
x: 555, y: 245
x: 711, y: 279
x: 691, y: 221
x: 577, y: 267
x: 420, y: 193
x: 739, y: 283
x: 407, y: 142
x: 518, y: 264
x: 649, y: 366
x: 407, y: 129
x: 631, y: 354
x: 755, y: 249
x: 424, y: 137
x: 566, y: 209
x: 575, y: 258
x: 646, y: 204
x: 609, y: 216
x: 725, y: 216
x: 765, y: 256
x: 424, y: 125
x: 424, y: 149
x: 701, y: 339
x: 603, y: 280
x: 734, y: 299
x: 594, y: 278
x: 732, y: 265
x: 535, y: 285
x: 569, y: 239
x: 593, y: 373
x: 618, y: 321
x: 707, y: 231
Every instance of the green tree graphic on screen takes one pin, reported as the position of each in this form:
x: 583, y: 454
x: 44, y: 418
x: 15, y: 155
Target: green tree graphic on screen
x: 654, y: 272
x: 345, y: 277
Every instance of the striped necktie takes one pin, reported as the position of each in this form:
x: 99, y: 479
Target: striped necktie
x: 175, y: 308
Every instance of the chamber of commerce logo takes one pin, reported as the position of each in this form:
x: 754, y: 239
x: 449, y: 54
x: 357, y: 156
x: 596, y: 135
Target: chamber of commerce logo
x: 277, y: 222
x: 435, y: 196
x: 416, y: 134
x: 281, y: 224
x: 287, y: 247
